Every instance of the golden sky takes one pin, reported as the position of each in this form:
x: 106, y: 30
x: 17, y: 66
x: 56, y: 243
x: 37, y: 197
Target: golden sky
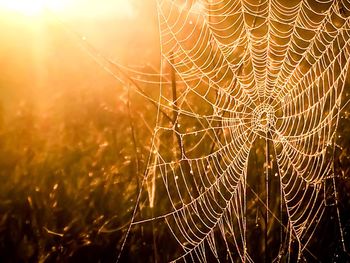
x: 71, y: 8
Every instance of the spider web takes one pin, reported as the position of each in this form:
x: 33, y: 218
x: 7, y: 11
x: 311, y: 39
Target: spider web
x: 241, y: 71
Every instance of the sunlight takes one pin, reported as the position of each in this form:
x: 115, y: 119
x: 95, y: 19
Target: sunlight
x: 33, y: 7
x: 69, y: 8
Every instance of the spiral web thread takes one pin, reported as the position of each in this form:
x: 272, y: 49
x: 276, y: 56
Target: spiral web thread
x: 242, y: 70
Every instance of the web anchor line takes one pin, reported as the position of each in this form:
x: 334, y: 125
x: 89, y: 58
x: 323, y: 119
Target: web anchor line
x: 335, y: 190
x: 267, y: 190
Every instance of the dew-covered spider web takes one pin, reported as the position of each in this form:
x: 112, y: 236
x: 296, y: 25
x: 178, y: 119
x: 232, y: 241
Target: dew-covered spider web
x: 242, y: 74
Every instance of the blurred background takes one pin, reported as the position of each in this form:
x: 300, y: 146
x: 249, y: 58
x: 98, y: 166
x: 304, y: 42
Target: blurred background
x: 75, y: 135
x: 68, y: 128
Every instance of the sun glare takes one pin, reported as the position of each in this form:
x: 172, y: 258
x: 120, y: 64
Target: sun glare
x: 70, y: 8
x: 33, y: 7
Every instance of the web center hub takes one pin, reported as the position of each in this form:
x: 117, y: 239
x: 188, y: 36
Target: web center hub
x: 264, y: 117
